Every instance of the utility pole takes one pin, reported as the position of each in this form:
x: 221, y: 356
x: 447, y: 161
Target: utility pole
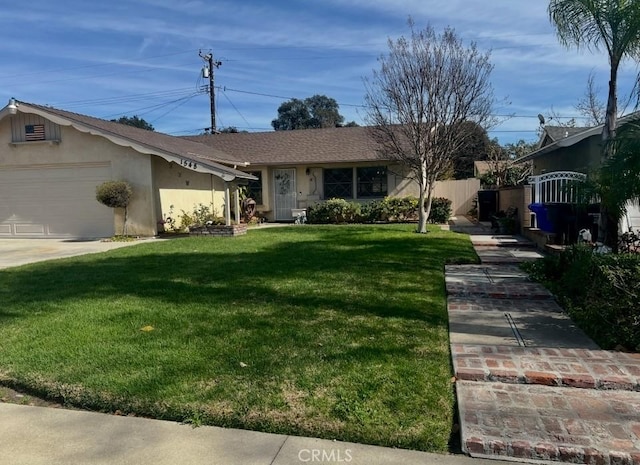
x: 207, y: 72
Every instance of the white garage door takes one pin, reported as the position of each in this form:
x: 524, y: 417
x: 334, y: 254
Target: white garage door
x: 54, y: 201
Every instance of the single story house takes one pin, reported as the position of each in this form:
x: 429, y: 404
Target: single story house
x: 567, y: 154
x: 51, y: 162
x: 294, y: 169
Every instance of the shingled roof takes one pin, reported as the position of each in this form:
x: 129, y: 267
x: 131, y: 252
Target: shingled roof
x: 328, y: 145
x: 556, y: 133
x: 149, y: 141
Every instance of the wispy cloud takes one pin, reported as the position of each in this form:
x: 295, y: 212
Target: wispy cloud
x: 86, y: 51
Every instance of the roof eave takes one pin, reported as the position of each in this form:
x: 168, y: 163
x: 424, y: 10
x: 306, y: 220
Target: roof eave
x: 220, y: 171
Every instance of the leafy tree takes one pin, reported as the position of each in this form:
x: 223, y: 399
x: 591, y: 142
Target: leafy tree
x: 115, y: 194
x: 231, y: 130
x: 318, y: 111
x: 134, y: 121
x: 427, y: 87
x: 504, y: 169
x: 476, y: 146
x: 324, y: 112
x: 618, y: 180
x: 615, y: 26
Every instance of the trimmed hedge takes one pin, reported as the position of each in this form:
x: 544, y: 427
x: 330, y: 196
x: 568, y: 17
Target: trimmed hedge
x: 600, y: 292
x: 388, y: 210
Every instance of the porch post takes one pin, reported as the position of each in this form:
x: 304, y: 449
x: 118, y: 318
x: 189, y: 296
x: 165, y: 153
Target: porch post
x: 237, y: 198
x: 227, y: 204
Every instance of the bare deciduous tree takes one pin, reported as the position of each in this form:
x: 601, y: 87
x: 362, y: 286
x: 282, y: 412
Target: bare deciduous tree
x: 427, y: 87
x: 590, y: 106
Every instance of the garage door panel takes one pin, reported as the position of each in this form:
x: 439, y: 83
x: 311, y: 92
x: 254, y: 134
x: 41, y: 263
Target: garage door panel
x: 54, y: 202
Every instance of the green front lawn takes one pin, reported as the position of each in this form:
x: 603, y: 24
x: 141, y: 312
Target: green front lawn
x: 336, y: 332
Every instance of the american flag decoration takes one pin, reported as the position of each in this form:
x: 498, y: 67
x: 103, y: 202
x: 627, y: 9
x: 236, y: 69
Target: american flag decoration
x: 34, y: 132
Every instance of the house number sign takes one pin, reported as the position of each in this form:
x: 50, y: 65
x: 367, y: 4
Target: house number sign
x: 188, y: 164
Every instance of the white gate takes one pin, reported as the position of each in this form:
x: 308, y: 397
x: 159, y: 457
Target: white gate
x: 284, y: 182
x: 556, y: 186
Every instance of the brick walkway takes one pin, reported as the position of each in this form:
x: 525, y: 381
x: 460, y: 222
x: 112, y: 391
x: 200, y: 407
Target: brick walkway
x: 530, y: 385
x: 550, y: 423
x: 494, y: 281
x: 579, y: 368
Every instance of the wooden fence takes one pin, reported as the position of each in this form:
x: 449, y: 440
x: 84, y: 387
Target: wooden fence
x: 461, y: 193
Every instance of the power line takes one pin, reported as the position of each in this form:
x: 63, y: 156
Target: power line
x: 152, y: 108
x: 124, y: 98
x: 236, y: 108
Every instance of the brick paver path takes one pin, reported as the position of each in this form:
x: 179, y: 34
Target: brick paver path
x: 550, y: 423
x: 494, y: 281
x: 558, y: 398
x: 580, y: 368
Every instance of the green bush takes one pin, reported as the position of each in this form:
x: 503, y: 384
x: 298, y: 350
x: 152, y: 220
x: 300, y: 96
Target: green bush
x: 389, y: 210
x: 334, y: 211
x: 114, y: 194
x: 600, y: 292
x: 400, y: 209
x: 372, y: 212
x: 199, y: 216
x: 440, y: 210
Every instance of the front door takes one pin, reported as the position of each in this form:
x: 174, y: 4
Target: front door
x: 284, y: 182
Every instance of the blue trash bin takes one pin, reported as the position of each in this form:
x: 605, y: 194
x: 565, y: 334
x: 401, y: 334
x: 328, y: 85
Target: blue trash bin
x: 542, y: 220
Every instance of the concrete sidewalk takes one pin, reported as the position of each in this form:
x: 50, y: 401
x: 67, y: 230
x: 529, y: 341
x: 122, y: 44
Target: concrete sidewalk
x: 48, y: 436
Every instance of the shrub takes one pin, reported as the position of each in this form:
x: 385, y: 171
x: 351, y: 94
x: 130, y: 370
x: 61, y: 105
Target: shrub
x: 440, y: 210
x: 372, y: 212
x: 199, y: 216
x: 390, y: 209
x: 115, y: 194
x: 400, y: 209
x: 600, y: 292
x: 334, y: 211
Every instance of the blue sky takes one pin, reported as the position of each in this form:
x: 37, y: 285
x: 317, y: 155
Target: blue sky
x: 126, y: 57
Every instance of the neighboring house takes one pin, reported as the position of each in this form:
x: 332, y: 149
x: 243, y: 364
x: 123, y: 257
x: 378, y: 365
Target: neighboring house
x: 297, y: 168
x: 562, y: 153
x: 482, y: 167
x: 52, y: 160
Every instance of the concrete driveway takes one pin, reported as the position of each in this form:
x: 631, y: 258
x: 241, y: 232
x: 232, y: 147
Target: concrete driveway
x: 14, y: 252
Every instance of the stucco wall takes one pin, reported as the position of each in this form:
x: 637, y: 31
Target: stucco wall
x: 184, y: 189
x: 77, y: 147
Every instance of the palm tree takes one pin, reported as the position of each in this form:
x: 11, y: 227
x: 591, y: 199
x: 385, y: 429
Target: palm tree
x: 596, y: 24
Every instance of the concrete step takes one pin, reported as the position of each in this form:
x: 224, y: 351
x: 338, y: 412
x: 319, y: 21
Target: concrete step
x: 577, y: 368
x: 531, y: 323
x: 497, y: 240
x: 495, y: 281
x: 507, y: 254
x: 541, y: 423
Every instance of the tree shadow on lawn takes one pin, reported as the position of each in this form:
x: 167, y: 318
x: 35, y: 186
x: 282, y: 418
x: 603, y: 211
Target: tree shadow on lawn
x: 242, y: 326
x: 356, y: 277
